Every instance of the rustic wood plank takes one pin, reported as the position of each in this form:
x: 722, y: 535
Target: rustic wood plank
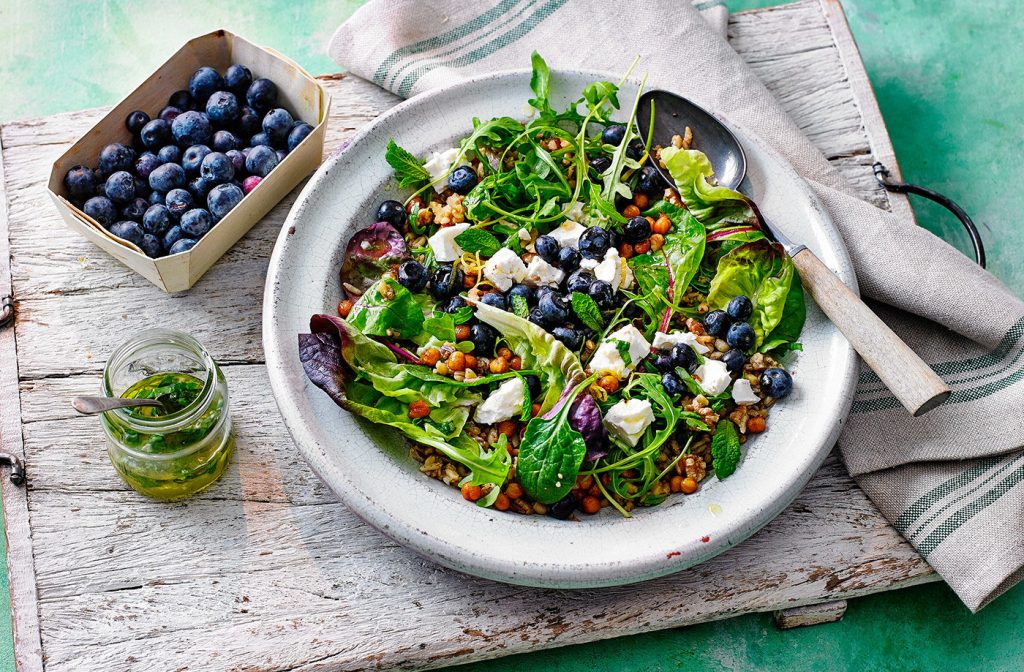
x: 811, y: 614
x: 265, y: 570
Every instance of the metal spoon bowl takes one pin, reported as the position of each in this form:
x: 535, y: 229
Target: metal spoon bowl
x: 97, y: 405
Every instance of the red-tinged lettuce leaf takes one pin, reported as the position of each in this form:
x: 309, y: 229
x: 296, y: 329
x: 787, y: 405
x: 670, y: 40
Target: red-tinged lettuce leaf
x: 585, y: 418
x: 371, y: 252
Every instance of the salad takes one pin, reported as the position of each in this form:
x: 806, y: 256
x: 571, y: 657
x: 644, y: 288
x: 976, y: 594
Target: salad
x: 554, y: 327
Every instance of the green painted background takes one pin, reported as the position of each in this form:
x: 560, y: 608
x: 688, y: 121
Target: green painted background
x: 949, y: 77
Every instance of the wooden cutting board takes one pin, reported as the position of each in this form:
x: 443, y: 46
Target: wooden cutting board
x: 267, y: 571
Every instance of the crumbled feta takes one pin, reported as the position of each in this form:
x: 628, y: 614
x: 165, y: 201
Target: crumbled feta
x: 502, y: 404
x: 743, y: 394
x: 576, y: 212
x: 439, y: 163
x: 524, y: 235
x: 540, y: 272
x: 638, y: 345
x: 443, y: 242
x: 663, y: 341
x: 629, y: 419
x: 714, y: 376
x: 589, y: 264
x: 504, y: 269
x: 607, y: 358
x: 614, y: 270
x: 568, y: 234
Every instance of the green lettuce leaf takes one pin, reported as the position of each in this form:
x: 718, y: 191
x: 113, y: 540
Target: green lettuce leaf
x: 714, y: 205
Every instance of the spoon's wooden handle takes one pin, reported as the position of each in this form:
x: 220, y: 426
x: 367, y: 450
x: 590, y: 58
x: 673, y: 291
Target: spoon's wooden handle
x: 903, y: 372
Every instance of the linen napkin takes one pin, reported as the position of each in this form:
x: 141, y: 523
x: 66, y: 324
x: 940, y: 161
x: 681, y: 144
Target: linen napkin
x: 952, y: 481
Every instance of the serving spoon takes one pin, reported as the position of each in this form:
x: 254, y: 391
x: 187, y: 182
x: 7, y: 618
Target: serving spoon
x: 97, y: 405
x: 909, y: 378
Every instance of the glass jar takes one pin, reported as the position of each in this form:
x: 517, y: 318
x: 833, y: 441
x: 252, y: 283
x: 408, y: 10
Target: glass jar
x: 177, y: 452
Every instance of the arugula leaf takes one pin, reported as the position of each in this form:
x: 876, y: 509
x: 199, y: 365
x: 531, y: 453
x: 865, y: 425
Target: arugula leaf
x: 714, y: 205
x: 694, y: 421
x: 520, y: 306
x: 409, y: 170
x: 540, y: 84
x: 478, y: 240
x: 725, y: 449
x: 387, y: 309
x: 586, y: 309
x: 601, y: 97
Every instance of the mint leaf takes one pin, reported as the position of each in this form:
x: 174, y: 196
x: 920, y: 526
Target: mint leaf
x: 586, y: 309
x: 520, y: 307
x: 623, y: 349
x: 725, y: 449
x: 478, y: 240
x: 409, y: 170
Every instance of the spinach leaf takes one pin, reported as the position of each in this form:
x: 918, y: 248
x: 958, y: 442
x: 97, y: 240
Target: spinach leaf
x: 586, y: 309
x: 714, y: 205
x: 478, y: 240
x: 794, y: 312
x: 441, y: 327
x: 725, y: 449
x: 409, y: 170
x: 387, y: 309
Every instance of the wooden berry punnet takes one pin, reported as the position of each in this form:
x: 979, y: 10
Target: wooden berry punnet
x: 298, y: 91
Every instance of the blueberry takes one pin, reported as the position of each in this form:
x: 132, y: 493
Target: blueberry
x: 684, y: 357
x: 135, y: 121
x: 146, y: 164
x: 776, y: 382
x: 495, y: 300
x: 601, y: 164
x: 169, y: 113
x: 613, y: 135
x: 172, y: 236
x: 223, y: 198
x: 484, y: 338
x: 262, y: 94
x: 537, y: 317
x: 199, y: 188
x: 572, y: 338
x: 196, y: 223
x: 216, y: 168
x: 80, y: 182
x: 191, y: 128
x: 101, y: 209
x: 281, y: 155
x: 181, y: 100
x: 454, y: 304
x: 170, y: 154
x: 116, y: 157
x: 602, y: 294
x: 462, y: 180
x: 120, y: 187
x: 734, y: 360
x: 717, y: 323
x: 237, y: 160
x: 166, y: 177
x: 277, y: 124
x: 740, y: 308
x: 540, y: 293
x: 222, y: 108
x: 663, y: 361
x: 135, y: 210
x: 637, y: 229
x: 261, y: 161
x: 152, y: 246
x: 393, y: 213
x: 555, y: 307
x: 651, y: 183
x: 225, y: 141
x: 237, y: 79
x: 563, y: 508
x: 524, y: 291
x: 142, y: 187
x: 569, y: 259
x: 249, y: 122
x: 594, y: 242
x: 183, y: 245
x: 157, y: 220
x: 156, y: 198
x: 203, y: 83
x: 193, y: 157
x: 547, y: 249
x: 740, y: 336
x: 261, y: 139
x: 533, y: 386
x: 300, y: 130
x: 127, y: 230
x: 635, y: 149
x: 579, y: 281
x: 446, y: 281
x: 412, y: 275
x: 179, y: 201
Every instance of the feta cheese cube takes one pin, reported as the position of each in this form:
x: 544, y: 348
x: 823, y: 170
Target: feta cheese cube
x: 540, y: 272
x: 503, y: 403
x: 714, y: 376
x: 629, y: 419
x: 607, y: 358
x: 568, y: 234
x: 663, y: 341
x: 439, y: 163
x: 743, y: 394
x: 589, y: 264
x: 504, y: 269
x: 443, y: 242
x: 638, y: 345
x: 614, y: 270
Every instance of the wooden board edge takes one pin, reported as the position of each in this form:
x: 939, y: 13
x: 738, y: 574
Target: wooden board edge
x: 28, y: 655
x: 864, y: 97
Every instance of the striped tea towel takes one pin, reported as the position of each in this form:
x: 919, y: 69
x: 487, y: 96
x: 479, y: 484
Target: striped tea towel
x: 952, y: 481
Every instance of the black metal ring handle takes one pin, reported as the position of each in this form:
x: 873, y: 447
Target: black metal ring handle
x: 17, y: 467
x: 882, y: 175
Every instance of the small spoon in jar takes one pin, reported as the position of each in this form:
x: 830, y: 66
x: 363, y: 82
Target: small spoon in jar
x: 96, y: 405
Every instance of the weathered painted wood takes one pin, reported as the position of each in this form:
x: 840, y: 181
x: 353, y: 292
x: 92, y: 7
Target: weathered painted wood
x: 265, y: 570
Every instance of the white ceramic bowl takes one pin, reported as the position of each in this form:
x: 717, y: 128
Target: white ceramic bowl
x: 368, y: 466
